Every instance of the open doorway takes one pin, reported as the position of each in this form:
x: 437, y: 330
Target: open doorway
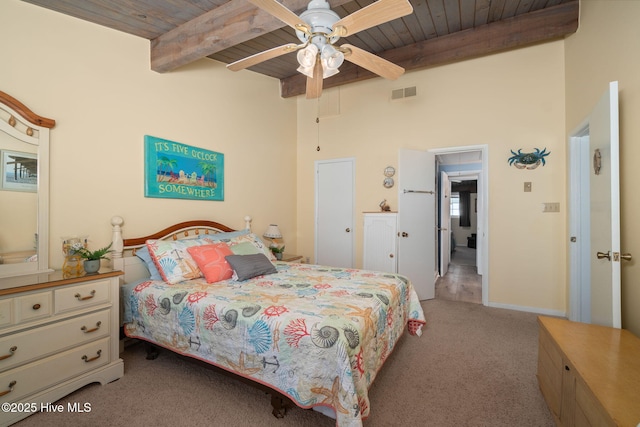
x: 461, y: 223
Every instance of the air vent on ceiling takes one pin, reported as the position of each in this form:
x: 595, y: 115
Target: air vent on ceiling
x: 403, y: 93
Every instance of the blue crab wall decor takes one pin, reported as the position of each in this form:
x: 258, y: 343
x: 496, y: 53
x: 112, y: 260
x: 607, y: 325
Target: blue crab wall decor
x: 528, y: 160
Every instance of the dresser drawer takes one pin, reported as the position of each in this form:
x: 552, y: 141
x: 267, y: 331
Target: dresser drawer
x: 32, y: 344
x: 80, y: 296
x: 6, y: 312
x: 33, y: 306
x: 42, y: 374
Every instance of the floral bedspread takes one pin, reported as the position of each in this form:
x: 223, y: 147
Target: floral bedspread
x: 316, y: 334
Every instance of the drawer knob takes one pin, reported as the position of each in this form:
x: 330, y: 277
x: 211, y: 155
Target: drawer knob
x: 87, y: 331
x: 11, y: 351
x: 12, y: 384
x: 36, y: 306
x: 87, y: 359
x: 81, y: 298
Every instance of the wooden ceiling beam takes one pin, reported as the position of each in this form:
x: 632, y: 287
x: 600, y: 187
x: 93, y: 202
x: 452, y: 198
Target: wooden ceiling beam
x: 523, y: 30
x: 234, y: 22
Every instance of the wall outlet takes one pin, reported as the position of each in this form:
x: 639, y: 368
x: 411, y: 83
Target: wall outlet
x: 551, y: 207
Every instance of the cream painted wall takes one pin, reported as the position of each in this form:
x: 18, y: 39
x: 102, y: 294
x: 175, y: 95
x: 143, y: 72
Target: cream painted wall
x: 506, y: 101
x: 97, y: 84
x: 605, y: 48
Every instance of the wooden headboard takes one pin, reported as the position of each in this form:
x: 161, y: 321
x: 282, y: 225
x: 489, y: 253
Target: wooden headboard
x: 123, y: 250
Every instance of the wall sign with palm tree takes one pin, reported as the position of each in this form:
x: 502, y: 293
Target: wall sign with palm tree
x: 178, y: 171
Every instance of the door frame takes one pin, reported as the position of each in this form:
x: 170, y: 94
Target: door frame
x: 482, y: 237
x: 444, y: 189
x: 317, y: 163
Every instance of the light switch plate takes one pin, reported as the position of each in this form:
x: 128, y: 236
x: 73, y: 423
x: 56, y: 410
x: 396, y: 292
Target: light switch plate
x: 551, y: 207
x: 527, y: 187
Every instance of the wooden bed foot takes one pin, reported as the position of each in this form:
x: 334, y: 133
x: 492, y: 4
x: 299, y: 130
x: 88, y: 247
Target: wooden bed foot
x: 152, y: 352
x: 280, y: 404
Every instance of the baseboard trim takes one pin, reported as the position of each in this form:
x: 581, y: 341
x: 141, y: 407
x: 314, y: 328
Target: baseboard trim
x: 544, y: 311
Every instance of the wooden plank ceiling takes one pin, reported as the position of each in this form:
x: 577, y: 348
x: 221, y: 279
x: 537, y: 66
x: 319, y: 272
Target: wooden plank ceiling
x: 437, y: 32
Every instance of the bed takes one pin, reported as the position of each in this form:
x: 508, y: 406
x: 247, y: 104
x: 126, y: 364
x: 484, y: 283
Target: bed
x: 315, y: 334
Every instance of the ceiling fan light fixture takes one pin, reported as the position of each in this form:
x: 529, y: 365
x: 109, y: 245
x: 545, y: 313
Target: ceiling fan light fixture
x: 307, y: 71
x: 328, y: 72
x: 307, y: 56
x: 331, y: 57
x: 331, y: 60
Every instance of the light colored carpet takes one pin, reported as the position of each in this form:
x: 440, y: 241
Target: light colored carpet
x: 473, y: 366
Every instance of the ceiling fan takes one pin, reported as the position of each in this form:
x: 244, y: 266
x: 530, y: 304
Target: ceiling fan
x: 318, y: 28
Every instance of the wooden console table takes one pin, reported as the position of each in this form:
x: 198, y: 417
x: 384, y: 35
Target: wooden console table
x: 589, y: 375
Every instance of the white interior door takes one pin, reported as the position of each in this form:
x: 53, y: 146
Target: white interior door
x: 416, y: 220
x: 605, y: 211
x: 445, y: 223
x: 580, y: 170
x: 334, y: 235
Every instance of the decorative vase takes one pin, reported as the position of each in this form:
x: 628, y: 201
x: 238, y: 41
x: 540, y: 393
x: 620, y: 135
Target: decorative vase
x: 91, y: 266
x: 278, y: 255
x: 72, y: 266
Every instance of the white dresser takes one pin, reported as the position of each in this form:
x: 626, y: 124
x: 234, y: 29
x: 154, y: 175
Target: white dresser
x: 380, y: 242
x: 56, y: 335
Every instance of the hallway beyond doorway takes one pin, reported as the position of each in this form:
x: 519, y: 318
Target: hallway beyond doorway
x: 462, y: 282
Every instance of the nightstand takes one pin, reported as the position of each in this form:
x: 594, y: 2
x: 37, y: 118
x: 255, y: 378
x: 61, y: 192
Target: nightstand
x: 291, y: 258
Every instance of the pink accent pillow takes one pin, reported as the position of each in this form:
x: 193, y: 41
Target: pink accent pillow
x: 211, y: 261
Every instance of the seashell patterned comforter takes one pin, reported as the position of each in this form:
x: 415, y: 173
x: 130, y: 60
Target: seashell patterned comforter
x: 316, y: 334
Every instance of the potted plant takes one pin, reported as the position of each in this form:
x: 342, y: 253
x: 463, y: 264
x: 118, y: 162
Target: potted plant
x: 277, y: 251
x: 92, y: 258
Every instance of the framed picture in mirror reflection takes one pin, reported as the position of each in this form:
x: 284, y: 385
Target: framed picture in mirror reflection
x: 19, y: 171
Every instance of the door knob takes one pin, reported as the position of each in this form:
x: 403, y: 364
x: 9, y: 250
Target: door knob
x: 626, y: 257
x: 348, y: 230
x: 405, y: 234
x: 602, y: 255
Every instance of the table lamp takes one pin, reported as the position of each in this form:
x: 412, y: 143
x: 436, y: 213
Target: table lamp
x: 273, y: 232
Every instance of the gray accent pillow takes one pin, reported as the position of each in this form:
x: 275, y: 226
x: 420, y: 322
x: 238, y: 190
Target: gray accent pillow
x: 248, y: 266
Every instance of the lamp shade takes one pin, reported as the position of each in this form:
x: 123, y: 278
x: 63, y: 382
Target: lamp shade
x: 273, y: 232
x: 331, y: 60
x: 307, y: 60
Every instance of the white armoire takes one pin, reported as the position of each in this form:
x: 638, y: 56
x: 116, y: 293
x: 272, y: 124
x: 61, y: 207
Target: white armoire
x: 380, y: 241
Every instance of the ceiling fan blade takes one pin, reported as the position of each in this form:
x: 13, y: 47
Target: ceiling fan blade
x: 314, y: 85
x: 369, y: 16
x: 252, y: 60
x: 372, y: 62
x: 281, y: 12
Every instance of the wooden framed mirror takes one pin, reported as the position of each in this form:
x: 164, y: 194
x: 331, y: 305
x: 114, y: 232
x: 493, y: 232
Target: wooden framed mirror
x: 24, y: 189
